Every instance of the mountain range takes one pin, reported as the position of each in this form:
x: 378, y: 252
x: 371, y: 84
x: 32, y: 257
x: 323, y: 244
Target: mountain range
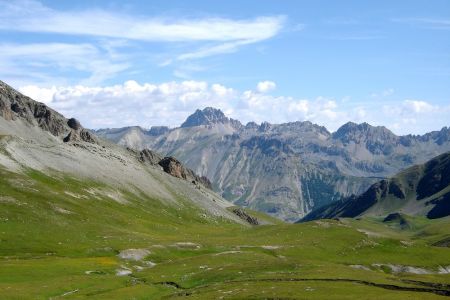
x: 286, y: 170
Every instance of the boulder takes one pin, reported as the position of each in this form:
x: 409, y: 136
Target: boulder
x: 74, y: 124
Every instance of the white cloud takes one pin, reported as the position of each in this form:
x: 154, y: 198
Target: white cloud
x: 417, y: 106
x: 412, y: 108
x: 265, y: 86
x: 169, y: 103
x: 44, y: 95
x: 383, y: 93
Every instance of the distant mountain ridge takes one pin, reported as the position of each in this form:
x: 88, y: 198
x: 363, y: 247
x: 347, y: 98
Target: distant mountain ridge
x: 286, y: 169
x: 420, y: 190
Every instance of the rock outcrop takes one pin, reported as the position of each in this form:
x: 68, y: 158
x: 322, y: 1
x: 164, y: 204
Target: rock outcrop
x: 173, y: 167
x: 78, y: 133
x: 14, y: 105
x: 398, y: 220
x: 245, y: 216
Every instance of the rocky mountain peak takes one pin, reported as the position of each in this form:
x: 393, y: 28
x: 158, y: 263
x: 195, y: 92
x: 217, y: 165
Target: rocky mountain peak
x: 303, y: 127
x: 251, y: 125
x: 377, y: 139
x: 443, y: 136
x: 352, y: 130
x: 207, y: 116
x: 265, y: 126
x: 361, y: 133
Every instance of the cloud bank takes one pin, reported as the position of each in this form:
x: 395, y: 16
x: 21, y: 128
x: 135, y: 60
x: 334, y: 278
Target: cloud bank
x: 170, y: 103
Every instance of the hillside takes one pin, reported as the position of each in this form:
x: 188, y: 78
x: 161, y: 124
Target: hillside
x: 33, y: 137
x: 422, y: 190
x: 285, y: 170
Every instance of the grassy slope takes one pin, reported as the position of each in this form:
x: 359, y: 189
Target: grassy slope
x: 55, y: 229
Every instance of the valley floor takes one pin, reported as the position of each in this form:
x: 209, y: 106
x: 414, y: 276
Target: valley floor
x: 62, y: 237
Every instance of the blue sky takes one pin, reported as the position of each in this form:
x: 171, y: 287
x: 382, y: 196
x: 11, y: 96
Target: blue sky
x: 154, y: 62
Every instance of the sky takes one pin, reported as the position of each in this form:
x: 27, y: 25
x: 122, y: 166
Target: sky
x: 124, y: 63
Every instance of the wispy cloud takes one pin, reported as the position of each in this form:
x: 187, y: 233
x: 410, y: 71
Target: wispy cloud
x: 342, y: 21
x: 382, y: 94
x: 429, y: 23
x: 103, y: 37
x: 32, y: 16
x: 43, y: 59
x: 356, y: 37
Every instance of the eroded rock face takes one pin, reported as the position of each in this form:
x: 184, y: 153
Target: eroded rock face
x: 173, y: 167
x: 203, y: 180
x: 48, y: 119
x: 14, y: 105
x: 79, y: 136
x: 5, y: 110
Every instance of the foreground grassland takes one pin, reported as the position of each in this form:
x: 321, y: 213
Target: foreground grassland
x: 61, y: 237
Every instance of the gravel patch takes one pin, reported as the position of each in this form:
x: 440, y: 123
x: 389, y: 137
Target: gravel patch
x: 405, y: 269
x: 133, y: 254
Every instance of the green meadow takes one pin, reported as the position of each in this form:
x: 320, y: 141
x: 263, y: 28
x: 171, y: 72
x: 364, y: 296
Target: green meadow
x: 64, y: 237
